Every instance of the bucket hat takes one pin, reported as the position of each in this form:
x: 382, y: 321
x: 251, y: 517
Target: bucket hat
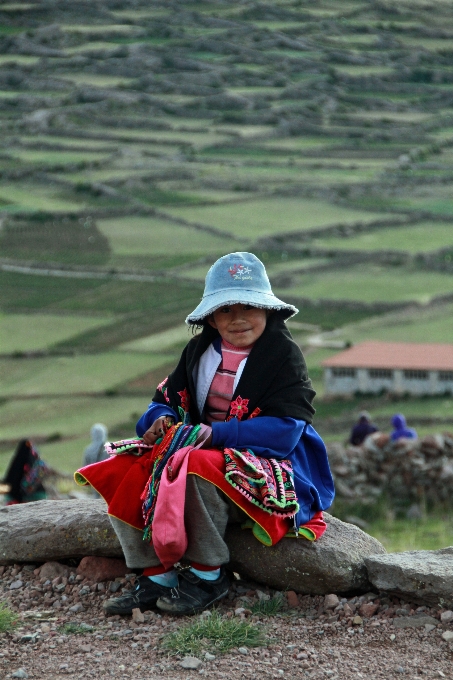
x: 237, y: 278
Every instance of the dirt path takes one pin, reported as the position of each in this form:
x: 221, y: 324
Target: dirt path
x: 357, y: 638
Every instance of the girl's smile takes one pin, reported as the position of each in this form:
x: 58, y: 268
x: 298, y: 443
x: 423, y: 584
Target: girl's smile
x: 239, y: 324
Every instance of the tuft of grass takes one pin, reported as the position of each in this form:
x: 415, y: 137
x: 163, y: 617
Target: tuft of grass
x: 75, y: 629
x: 214, y: 633
x: 269, y: 607
x: 8, y: 618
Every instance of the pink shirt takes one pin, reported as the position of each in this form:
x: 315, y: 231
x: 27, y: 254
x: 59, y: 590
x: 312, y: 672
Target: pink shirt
x: 221, y: 390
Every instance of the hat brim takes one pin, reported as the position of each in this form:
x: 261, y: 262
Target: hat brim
x: 210, y: 303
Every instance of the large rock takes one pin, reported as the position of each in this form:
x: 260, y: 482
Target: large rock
x: 334, y: 564
x: 53, y: 530
x: 424, y: 576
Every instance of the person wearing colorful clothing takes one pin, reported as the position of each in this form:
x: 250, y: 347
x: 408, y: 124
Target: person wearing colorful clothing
x: 245, y: 379
x: 26, y: 472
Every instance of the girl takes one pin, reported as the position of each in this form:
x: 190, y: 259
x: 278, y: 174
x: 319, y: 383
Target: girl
x: 260, y: 460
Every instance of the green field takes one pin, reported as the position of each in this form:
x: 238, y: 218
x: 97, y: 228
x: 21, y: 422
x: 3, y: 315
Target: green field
x: 371, y: 283
x: 74, y: 374
x: 152, y: 236
x: 253, y: 219
x: 422, y: 237
x: 25, y: 332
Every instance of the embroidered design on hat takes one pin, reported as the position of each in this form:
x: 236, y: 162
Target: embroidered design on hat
x: 240, y: 273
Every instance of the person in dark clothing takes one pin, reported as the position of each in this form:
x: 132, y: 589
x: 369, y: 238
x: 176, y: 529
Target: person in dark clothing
x: 400, y: 428
x: 25, y: 475
x: 362, y: 429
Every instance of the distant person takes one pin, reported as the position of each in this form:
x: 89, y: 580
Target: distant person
x: 362, y: 429
x: 25, y: 475
x: 401, y: 430
x: 95, y: 452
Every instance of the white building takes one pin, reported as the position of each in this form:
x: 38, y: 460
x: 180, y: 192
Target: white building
x: 397, y: 367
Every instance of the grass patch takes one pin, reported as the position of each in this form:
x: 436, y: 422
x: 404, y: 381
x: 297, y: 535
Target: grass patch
x: 432, y: 532
x: 267, y: 217
x: 75, y: 629
x: 153, y: 236
x: 8, y: 618
x: 48, y: 329
x: 422, y: 237
x: 269, y: 607
x: 370, y: 283
x: 213, y: 634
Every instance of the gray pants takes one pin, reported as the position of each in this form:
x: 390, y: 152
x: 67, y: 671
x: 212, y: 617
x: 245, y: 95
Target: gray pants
x: 207, y: 512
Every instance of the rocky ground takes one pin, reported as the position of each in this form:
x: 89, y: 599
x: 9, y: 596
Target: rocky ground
x: 313, y: 637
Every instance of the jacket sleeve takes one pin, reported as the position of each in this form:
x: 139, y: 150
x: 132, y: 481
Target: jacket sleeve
x: 267, y: 436
x: 154, y: 412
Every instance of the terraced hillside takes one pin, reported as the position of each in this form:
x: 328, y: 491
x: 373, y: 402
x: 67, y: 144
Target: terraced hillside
x: 141, y: 140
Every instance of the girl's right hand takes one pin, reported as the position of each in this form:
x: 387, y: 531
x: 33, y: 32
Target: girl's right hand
x: 156, y: 431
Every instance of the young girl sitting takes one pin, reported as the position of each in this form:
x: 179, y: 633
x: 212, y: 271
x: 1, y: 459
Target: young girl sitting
x: 260, y: 459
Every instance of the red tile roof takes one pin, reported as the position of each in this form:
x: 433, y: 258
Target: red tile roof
x: 395, y: 355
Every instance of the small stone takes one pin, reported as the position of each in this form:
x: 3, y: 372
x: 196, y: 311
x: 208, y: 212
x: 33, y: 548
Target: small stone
x: 448, y: 635
x: 209, y: 657
x: 191, y: 663
x: 15, y: 585
x: 114, y: 586
x: 85, y: 648
x: 243, y: 650
x: 447, y: 616
x: 393, y: 637
x: 102, y: 568
x: 400, y: 669
x: 240, y: 611
x: 429, y: 627
x: 357, y: 621
x: 20, y: 673
x: 293, y: 600
x: 331, y: 601
x: 137, y: 616
x: 441, y: 674
x: 262, y: 597
x: 51, y: 570
x: 414, y: 621
x: 302, y: 655
x: 76, y: 608
x: 368, y: 610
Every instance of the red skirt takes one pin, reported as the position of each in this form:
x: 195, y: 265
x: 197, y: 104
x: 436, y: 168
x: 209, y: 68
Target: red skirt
x: 120, y: 481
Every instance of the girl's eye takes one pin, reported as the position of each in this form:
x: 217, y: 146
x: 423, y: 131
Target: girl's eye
x: 248, y: 307
x: 225, y: 310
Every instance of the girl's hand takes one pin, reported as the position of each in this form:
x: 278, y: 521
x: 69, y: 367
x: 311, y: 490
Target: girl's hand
x: 157, y: 430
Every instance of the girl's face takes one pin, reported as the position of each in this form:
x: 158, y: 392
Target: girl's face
x: 239, y: 324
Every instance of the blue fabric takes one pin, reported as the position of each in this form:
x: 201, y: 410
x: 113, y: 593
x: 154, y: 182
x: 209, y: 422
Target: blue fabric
x: 154, y: 412
x: 237, y: 278
x: 401, y: 430
x: 295, y: 440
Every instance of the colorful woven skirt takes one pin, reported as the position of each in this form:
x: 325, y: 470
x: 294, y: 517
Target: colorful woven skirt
x: 121, y: 480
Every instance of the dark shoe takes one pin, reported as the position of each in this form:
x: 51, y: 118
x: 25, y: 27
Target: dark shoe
x: 144, y: 596
x: 193, y: 594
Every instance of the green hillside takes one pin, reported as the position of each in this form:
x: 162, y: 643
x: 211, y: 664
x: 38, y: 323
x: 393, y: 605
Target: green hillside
x: 142, y: 140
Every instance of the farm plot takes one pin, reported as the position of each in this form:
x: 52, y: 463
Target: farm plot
x: 90, y: 373
x: 267, y: 217
x: 423, y: 237
x: 157, y: 237
x: 434, y: 323
x: 25, y: 332
x: 371, y: 283
x: 33, y: 197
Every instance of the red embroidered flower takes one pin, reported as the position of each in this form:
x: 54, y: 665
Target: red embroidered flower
x: 238, y: 407
x: 232, y: 271
x: 185, y: 399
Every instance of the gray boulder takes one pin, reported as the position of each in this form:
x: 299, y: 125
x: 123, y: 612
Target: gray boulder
x: 424, y: 576
x: 334, y: 564
x: 55, y: 530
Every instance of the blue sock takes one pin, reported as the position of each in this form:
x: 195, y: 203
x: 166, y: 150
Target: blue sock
x: 168, y: 579
x: 212, y: 575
